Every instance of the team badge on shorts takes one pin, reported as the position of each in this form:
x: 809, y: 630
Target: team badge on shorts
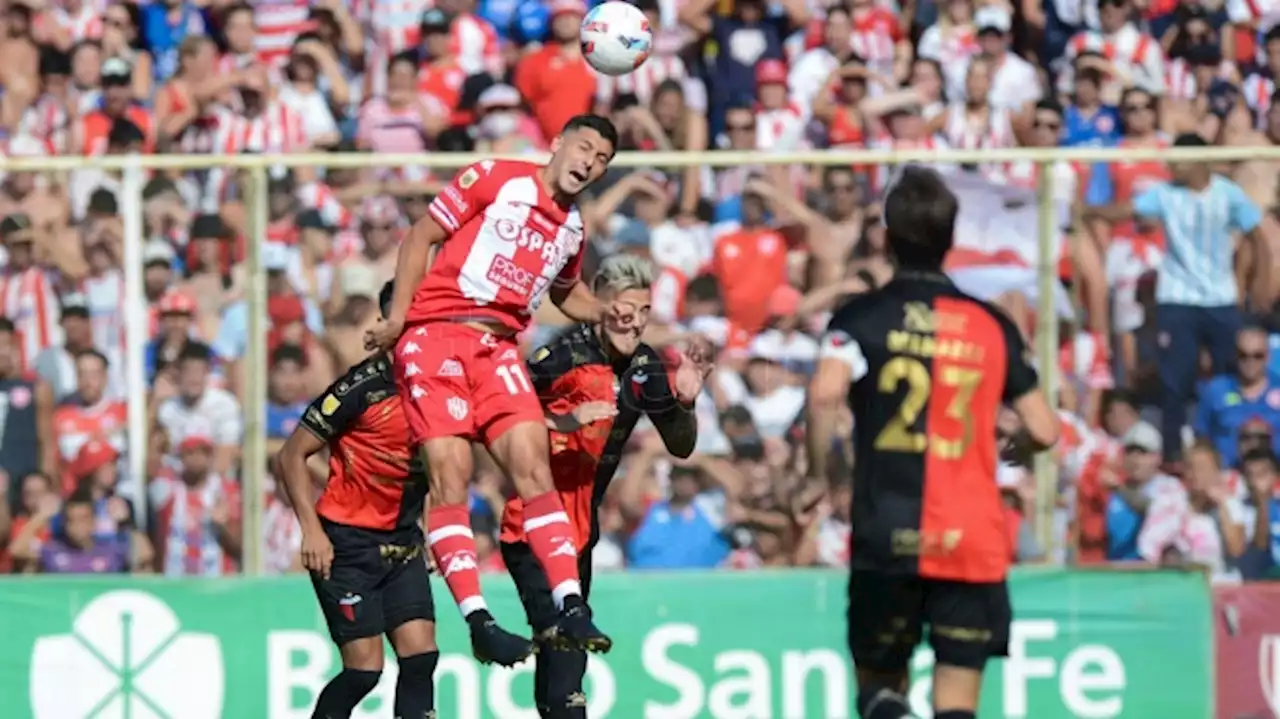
x: 457, y: 407
x: 347, y: 605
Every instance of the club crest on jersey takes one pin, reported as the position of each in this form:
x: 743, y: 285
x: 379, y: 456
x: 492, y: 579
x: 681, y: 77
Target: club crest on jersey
x: 329, y: 405
x: 457, y: 407
x: 541, y: 354
x: 469, y: 178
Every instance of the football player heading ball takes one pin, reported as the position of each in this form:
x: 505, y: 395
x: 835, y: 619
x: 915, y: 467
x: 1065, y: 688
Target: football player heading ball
x: 505, y: 234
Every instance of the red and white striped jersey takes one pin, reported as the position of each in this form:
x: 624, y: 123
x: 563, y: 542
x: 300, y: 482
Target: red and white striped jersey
x: 509, y: 242
x: 82, y: 24
x: 282, y: 536
x: 278, y: 24
x: 188, y: 541
x: 104, y: 297
x: 277, y: 129
x: 393, y: 24
x: 28, y: 299
x: 1180, y: 81
x: 475, y: 42
x: 1257, y: 90
x: 48, y: 121
x: 953, y: 48
x: 75, y: 426
x: 876, y: 34
x: 321, y: 198
x: 1131, y: 50
x: 1264, y: 14
x: 1085, y: 357
x: 995, y: 133
x: 773, y: 127
x: 643, y: 81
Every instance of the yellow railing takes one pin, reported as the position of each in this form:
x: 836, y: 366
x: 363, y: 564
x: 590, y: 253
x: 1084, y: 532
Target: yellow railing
x: 133, y: 177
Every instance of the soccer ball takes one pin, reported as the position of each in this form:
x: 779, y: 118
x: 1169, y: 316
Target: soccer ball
x: 616, y: 38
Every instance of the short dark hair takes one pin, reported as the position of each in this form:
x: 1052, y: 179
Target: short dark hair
x: 1190, y: 139
x: 195, y: 351
x: 920, y: 219
x: 7, y: 326
x: 1261, y: 454
x: 94, y: 354
x: 600, y: 124
x: 1050, y: 105
x: 124, y: 133
x: 1113, y: 397
x: 405, y: 56
x: 289, y: 353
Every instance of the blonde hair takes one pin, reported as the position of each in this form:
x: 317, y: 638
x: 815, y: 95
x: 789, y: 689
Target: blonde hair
x: 619, y: 273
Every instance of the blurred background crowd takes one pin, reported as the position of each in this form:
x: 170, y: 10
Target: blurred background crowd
x: 1171, y: 399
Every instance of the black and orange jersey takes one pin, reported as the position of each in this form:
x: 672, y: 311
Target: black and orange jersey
x: 931, y: 368
x: 576, y: 369
x: 376, y: 481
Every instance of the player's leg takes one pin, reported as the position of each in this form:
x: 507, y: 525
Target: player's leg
x: 968, y: 625
x: 884, y: 629
x: 438, y: 409
x: 351, y: 604
x: 511, y: 420
x: 558, y: 672
x: 522, y: 451
x: 410, y: 619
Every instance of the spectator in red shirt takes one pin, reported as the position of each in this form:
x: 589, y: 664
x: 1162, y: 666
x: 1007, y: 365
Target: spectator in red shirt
x: 556, y: 81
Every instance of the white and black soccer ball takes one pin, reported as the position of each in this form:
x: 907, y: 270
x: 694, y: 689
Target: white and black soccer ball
x: 616, y: 38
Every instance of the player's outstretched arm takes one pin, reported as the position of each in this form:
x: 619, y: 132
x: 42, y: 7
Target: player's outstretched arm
x: 577, y: 302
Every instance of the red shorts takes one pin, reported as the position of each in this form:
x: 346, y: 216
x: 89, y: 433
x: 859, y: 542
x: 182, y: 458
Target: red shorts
x: 458, y: 381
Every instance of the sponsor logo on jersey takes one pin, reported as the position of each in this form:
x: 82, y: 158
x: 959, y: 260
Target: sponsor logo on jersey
x: 457, y: 407
x: 505, y: 273
x: 329, y: 405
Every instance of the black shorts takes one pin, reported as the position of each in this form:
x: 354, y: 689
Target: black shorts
x: 968, y: 622
x: 378, y: 581
x: 531, y: 583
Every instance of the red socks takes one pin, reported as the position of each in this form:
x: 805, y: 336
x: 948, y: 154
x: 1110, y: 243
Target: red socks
x: 453, y: 546
x: 550, y: 536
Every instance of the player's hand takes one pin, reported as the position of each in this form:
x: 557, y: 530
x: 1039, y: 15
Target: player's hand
x: 588, y: 412
x: 317, y: 553
x: 383, y: 336
x: 695, y: 364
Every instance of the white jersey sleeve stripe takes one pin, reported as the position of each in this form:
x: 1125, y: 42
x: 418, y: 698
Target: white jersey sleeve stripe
x: 840, y: 346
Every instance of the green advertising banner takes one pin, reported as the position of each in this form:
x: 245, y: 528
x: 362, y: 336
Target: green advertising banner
x: 750, y: 645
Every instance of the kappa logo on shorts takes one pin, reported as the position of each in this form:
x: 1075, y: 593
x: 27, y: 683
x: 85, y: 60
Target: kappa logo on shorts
x: 457, y: 407
x: 347, y: 605
x: 417, y: 392
x: 412, y: 370
x: 450, y: 368
x: 410, y: 348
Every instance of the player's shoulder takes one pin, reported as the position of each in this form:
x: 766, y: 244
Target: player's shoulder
x: 575, y: 346
x: 366, y: 378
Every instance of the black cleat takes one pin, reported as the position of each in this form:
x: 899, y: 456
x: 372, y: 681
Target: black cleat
x: 491, y: 644
x: 575, y: 630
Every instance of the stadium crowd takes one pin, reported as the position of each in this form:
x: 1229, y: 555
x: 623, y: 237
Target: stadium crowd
x: 1171, y: 391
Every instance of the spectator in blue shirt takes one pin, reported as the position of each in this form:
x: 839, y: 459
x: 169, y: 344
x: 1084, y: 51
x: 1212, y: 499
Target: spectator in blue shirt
x: 1197, y: 290
x: 686, y: 531
x: 287, y: 398
x: 1259, y: 468
x: 163, y: 26
x: 1142, y: 480
x: 1229, y: 401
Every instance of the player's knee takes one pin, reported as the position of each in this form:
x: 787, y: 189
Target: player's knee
x: 533, y: 481
x: 419, y: 667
